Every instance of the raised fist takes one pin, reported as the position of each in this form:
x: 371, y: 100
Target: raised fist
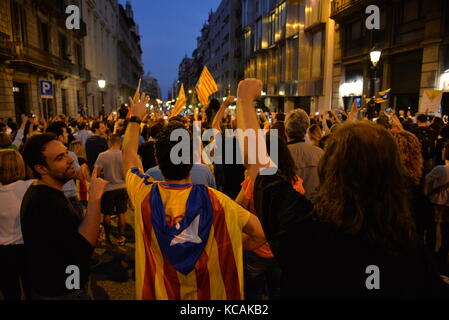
x: 249, y: 89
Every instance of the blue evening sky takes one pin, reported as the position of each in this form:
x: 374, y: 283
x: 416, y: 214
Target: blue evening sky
x: 169, y: 30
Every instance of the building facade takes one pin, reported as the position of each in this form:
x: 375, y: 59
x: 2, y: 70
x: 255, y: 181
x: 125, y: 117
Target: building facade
x: 414, y: 39
x: 36, y: 46
x: 101, y: 54
x: 219, y: 47
x: 130, y: 66
x: 288, y: 45
x: 37, y: 50
x: 150, y: 86
x: 225, y: 36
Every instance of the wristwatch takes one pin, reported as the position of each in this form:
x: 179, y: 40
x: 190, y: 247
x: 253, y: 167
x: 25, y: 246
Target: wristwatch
x: 135, y: 119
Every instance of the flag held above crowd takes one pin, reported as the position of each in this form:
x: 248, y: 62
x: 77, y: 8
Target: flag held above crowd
x: 206, y: 86
x: 180, y: 102
x: 383, y: 96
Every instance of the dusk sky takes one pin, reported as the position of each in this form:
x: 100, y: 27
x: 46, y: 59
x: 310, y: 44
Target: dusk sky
x: 169, y: 30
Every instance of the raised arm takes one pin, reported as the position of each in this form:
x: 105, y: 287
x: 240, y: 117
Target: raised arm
x: 250, y: 90
x: 131, y: 142
x: 221, y: 112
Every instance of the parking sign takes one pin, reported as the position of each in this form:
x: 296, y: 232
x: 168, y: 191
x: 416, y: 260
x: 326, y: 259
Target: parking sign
x: 46, y: 89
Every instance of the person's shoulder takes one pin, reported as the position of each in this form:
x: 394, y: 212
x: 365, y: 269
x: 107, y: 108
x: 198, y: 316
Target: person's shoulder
x: 40, y: 194
x: 152, y: 170
x: 202, y: 167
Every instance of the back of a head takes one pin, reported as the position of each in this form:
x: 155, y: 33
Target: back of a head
x: 446, y: 152
x: 156, y: 129
x: 77, y: 148
x: 296, y: 124
x: 444, y: 131
x: 280, y: 117
x: 384, y: 122
x: 315, y: 133
x: 364, y: 188
x: 163, y: 150
x: 285, y: 162
x: 81, y: 125
x: 5, y: 140
x: 12, y: 167
x: 96, y: 125
x: 56, y: 127
x: 34, y: 149
x: 115, y: 140
x: 280, y: 126
x: 411, y: 155
x: 422, y: 118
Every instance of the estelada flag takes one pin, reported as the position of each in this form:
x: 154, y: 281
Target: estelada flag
x: 180, y: 102
x: 136, y: 95
x: 383, y: 96
x: 206, y: 86
x: 193, y: 252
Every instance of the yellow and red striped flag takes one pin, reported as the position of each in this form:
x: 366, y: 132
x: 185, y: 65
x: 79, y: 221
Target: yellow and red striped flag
x: 181, y: 102
x: 206, y: 86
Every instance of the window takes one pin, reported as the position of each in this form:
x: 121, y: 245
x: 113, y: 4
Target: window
x: 356, y: 31
x: 45, y: 37
x: 410, y: 11
x: 258, y: 35
x: 313, y: 12
x: 317, y: 46
x: 79, y: 55
x: 19, y: 25
x: 272, y: 31
x: 63, y: 46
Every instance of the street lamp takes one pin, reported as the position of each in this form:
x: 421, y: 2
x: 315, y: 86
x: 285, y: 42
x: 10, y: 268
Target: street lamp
x: 375, y: 58
x: 102, y: 85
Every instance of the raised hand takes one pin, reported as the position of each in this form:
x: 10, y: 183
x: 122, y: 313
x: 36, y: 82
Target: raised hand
x: 138, y: 106
x: 97, y: 185
x: 249, y: 89
x: 229, y: 101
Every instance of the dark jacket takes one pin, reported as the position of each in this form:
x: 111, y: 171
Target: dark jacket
x: 320, y: 262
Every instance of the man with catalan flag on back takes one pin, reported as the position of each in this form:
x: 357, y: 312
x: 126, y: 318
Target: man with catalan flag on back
x: 189, y: 238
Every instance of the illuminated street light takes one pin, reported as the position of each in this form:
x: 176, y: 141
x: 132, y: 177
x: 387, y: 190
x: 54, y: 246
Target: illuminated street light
x: 375, y: 57
x: 102, y: 84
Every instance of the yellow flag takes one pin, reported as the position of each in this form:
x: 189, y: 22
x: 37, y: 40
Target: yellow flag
x: 206, y: 86
x: 180, y: 102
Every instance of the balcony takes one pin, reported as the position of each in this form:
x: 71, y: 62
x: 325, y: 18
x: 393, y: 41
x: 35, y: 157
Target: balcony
x: 6, y: 46
x: 341, y: 9
x: 35, y: 58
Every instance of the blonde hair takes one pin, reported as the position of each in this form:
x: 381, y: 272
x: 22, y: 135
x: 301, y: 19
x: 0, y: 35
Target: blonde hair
x: 77, y: 148
x: 12, y: 166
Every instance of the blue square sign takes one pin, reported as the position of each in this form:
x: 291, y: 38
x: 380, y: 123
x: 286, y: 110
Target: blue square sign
x: 46, y: 89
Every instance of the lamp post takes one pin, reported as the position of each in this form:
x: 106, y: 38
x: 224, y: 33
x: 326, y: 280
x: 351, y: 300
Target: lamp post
x: 102, y: 85
x: 374, y: 57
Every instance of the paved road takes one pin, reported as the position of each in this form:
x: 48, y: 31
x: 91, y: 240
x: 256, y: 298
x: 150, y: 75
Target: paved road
x: 112, y: 273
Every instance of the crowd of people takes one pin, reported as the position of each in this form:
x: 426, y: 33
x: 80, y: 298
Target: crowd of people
x: 349, y: 193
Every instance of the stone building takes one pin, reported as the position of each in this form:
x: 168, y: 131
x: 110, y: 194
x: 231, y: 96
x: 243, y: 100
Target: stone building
x: 129, y: 63
x: 288, y: 44
x: 36, y: 46
x: 150, y: 86
x: 414, y: 39
x: 101, y: 54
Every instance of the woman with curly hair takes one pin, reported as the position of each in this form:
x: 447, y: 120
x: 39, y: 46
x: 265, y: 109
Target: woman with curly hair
x: 412, y: 162
x: 361, y: 218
